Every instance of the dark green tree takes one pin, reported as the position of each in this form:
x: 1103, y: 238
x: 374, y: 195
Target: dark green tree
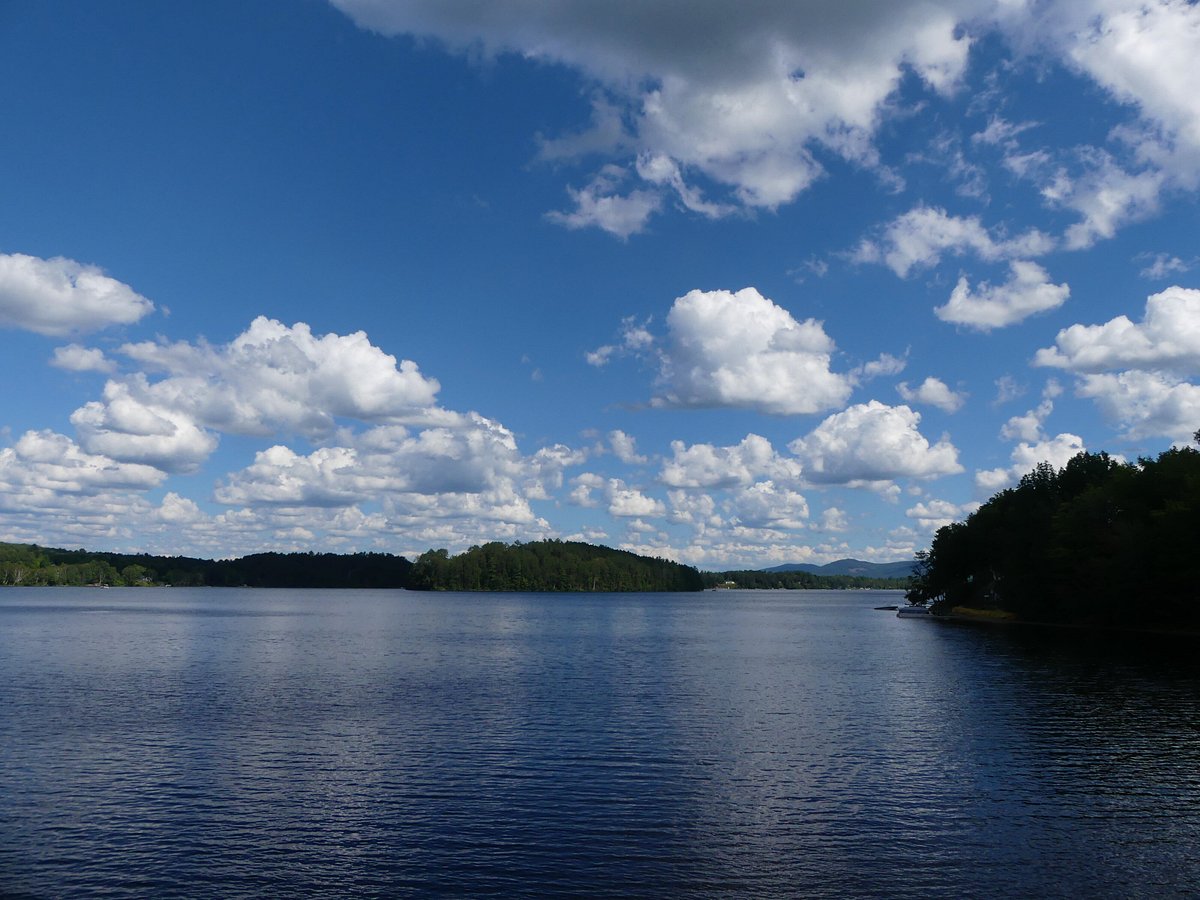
x: 1098, y: 541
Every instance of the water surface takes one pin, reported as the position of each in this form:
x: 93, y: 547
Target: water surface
x: 217, y: 742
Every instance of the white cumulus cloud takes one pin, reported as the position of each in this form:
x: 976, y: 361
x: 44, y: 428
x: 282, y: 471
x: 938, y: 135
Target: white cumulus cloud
x: 629, y: 502
x: 740, y: 96
x: 1105, y: 194
x: 543, y: 472
x: 1145, y: 404
x: 584, y: 485
x: 635, y: 338
x: 1025, y: 457
x: 699, y: 510
x: 933, y: 392
x: 1027, y: 291
x: 137, y: 422
x: 747, y: 100
x: 1152, y: 396
x: 177, y: 510
x: 873, y: 442
x: 60, y: 297
x: 390, y: 459
x: 270, y: 378
x: 1140, y: 52
x: 54, y: 493
x: 920, y: 237
x: 709, y: 466
x: 767, y: 505
x: 274, y: 375
x: 741, y: 350
x: 75, y: 358
x: 598, y: 204
x: 936, y: 513
x: 833, y: 521
x: 659, y: 169
x: 886, y: 364
x: 1144, y: 54
x: 44, y: 461
x: 624, y: 447
x: 1168, y: 337
x: 436, y: 486
x: 1028, y: 427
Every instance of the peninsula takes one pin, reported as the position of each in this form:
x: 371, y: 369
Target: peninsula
x: 1098, y: 542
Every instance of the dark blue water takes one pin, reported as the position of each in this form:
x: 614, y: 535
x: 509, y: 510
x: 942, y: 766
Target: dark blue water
x: 232, y: 743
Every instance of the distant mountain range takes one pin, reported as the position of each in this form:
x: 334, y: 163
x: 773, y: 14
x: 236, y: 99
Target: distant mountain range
x: 900, y: 569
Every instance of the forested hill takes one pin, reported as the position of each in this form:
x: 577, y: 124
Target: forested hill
x: 1097, y: 542
x: 549, y: 566
x: 900, y: 569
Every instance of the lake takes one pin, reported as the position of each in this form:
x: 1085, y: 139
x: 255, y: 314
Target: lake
x: 238, y: 743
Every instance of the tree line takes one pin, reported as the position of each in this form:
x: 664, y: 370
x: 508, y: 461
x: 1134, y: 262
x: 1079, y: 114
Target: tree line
x: 797, y: 581
x: 29, y: 564
x: 1099, y: 542
x: 541, y: 566
x: 551, y: 565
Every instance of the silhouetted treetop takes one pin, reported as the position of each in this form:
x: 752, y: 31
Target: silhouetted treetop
x: 1097, y: 542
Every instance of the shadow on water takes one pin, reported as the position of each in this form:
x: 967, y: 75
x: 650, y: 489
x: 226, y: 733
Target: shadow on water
x: 1093, y: 654
x: 1095, y: 737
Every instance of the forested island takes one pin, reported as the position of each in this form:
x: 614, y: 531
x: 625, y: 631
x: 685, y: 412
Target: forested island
x: 550, y: 565
x: 1098, y: 542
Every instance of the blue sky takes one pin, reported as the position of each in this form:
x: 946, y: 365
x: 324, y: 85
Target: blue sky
x: 734, y: 284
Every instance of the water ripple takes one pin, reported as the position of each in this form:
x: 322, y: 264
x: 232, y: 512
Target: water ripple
x: 250, y: 743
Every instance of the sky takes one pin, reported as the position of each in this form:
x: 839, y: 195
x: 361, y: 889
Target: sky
x: 735, y: 284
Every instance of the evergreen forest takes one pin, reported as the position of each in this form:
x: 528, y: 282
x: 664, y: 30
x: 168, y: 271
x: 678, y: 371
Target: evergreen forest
x: 550, y: 565
x: 1097, y: 542
x: 541, y: 566
x: 29, y: 564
